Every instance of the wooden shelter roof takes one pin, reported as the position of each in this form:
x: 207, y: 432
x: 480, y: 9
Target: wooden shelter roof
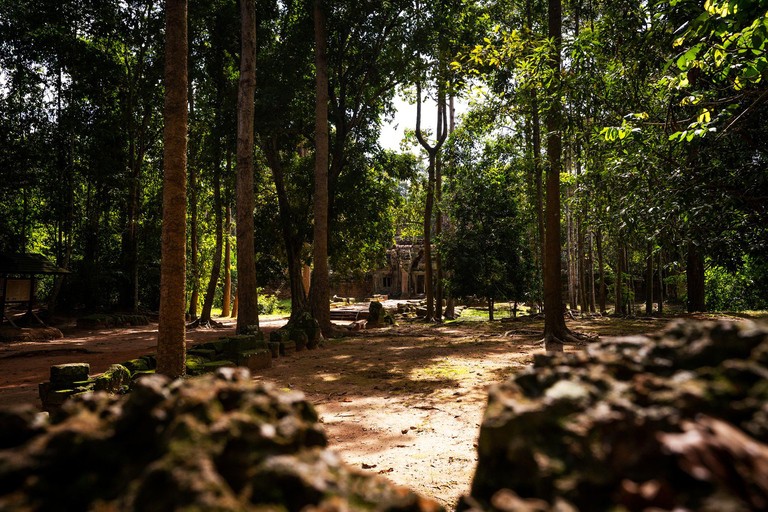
x: 28, y: 264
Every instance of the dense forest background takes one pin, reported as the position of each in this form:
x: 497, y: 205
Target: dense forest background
x: 659, y: 108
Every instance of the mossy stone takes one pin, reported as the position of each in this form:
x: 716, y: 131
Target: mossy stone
x: 287, y: 347
x: 71, y: 372
x: 274, y: 347
x: 279, y: 335
x: 215, y: 365
x: 208, y: 354
x: 299, y: 337
x: 255, y: 359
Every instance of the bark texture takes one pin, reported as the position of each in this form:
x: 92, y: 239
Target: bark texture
x: 321, y: 285
x: 248, y: 313
x: 555, y: 330
x: 171, y: 348
x: 432, y: 151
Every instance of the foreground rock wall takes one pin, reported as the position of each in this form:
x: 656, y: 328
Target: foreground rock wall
x: 673, y: 422
x: 209, y: 443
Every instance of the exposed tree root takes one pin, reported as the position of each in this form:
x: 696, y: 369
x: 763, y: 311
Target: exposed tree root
x: 205, y: 324
x: 568, y: 338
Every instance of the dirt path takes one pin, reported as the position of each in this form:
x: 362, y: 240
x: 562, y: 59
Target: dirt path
x: 405, y: 402
x: 24, y: 365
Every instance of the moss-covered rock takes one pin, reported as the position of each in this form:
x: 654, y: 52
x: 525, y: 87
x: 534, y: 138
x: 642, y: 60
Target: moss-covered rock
x: 151, y: 360
x: 299, y: 337
x: 632, y: 424
x: 287, y: 348
x: 113, y: 380
x: 257, y: 359
x: 212, y: 443
x: 136, y: 365
x: 282, y: 334
x: 274, y: 347
x: 206, y: 354
x: 71, y: 372
x: 215, y: 365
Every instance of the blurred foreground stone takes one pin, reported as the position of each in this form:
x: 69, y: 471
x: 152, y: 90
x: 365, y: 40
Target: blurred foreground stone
x: 217, y: 442
x: 678, y: 421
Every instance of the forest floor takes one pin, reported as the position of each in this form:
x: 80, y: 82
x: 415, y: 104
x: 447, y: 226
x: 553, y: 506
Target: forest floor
x: 405, y: 401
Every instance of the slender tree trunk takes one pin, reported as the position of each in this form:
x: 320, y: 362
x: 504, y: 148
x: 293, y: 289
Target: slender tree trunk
x: 490, y: 309
x: 234, y: 306
x: 171, y: 350
x: 320, y: 288
x: 649, y: 280
x: 695, y: 280
x: 432, y: 151
x: 225, y: 312
x: 248, y: 315
x: 537, y: 156
x: 450, y: 306
x: 428, y: 240
x: 438, y: 232
x: 555, y: 330
x: 193, y: 242
x: 591, y: 267
x: 618, y: 292
x: 661, y: 281
x: 582, y: 268
x: 293, y: 245
x: 216, y: 267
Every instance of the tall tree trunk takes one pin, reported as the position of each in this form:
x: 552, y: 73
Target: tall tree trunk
x: 537, y: 155
x: 450, y: 306
x: 291, y: 239
x: 320, y: 288
x: 68, y: 177
x: 171, y: 350
x: 555, y: 330
x: 234, y: 306
x: 661, y: 281
x: 601, y: 269
x: 695, y: 279
x: 432, y: 151
x: 227, y: 294
x: 438, y: 232
x: 649, y: 280
x: 205, y: 316
x: 248, y: 315
x: 195, y: 282
x: 619, y: 288
x: 569, y: 255
x: 592, y: 301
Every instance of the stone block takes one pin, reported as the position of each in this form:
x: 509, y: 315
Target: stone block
x: 299, y: 337
x: 204, y: 353
x: 287, y: 348
x: 216, y: 345
x: 135, y: 365
x: 113, y: 379
x: 151, y: 360
x: 195, y: 365
x: 280, y: 335
x: 274, y: 347
x: 255, y: 359
x: 137, y: 375
x: 72, y: 372
x: 215, y: 365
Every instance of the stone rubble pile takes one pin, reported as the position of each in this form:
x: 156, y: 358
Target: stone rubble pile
x: 247, y: 350
x: 678, y: 421
x: 216, y: 442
